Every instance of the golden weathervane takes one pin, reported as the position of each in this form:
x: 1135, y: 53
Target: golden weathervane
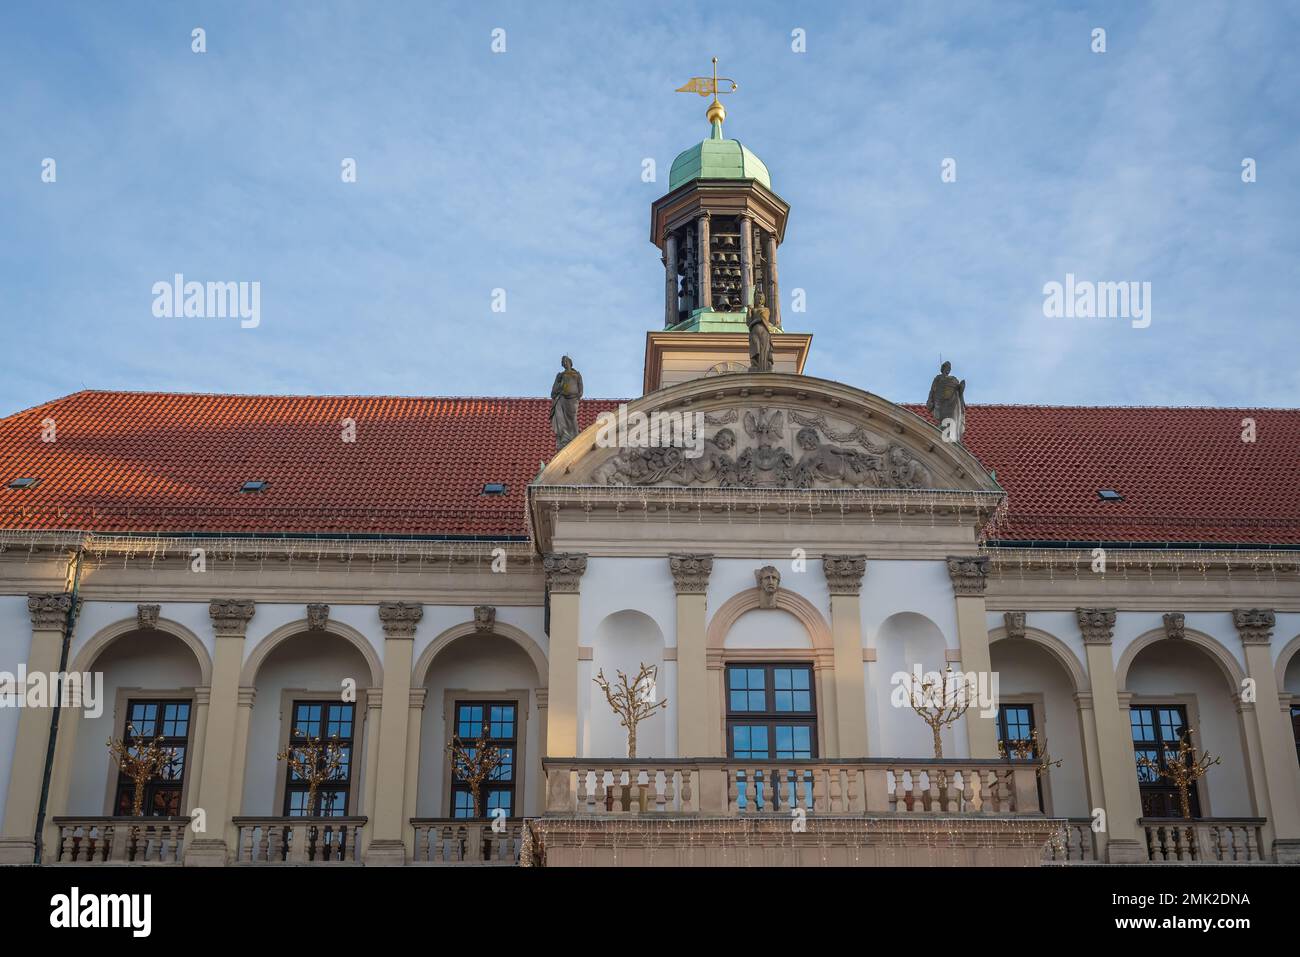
x: 709, y: 87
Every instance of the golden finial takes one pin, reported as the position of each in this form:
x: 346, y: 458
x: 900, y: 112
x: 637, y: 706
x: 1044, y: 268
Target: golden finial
x: 709, y: 87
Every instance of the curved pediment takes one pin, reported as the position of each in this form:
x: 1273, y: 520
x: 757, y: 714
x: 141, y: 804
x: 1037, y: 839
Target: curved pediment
x: 765, y: 430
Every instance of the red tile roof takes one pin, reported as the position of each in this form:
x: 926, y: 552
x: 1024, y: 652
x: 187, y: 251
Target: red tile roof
x: 149, y: 462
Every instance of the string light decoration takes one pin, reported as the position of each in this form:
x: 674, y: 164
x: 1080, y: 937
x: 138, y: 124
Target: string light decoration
x: 474, y: 765
x: 316, y: 762
x: 938, y: 703
x: 1029, y: 749
x: 1189, y: 769
x: 633, y: 702
x: 140, y: 761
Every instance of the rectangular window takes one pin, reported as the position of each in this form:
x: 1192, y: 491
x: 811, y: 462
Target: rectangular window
x: 771, y: 715
x: 497, y: 722
x: 1016, y: 735
x: 151, y: 719
x: 1157, y: 730
x: 323, y: 720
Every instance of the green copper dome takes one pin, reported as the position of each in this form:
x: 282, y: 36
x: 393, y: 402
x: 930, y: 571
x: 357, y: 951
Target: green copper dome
x: 716, y: 158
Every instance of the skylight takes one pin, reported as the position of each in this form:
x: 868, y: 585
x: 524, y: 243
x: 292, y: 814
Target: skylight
x: 1109, y: 495
x: 494, y: 488
x: 257, y: 485
x: 22, y: 483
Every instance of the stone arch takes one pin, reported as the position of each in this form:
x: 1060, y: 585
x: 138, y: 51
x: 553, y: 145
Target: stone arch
x: 751, y: 598
x: 1284, y: 660
x: 248, y: 676
x: 96, y: 646
x: 466, y: 628
x: 1231, y: 669
x: 1058, y: 649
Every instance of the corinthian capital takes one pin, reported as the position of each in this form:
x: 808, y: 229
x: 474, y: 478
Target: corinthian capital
x: 1096, y: 624
x: 968, y: 574
x: 564, y: 570
x: 49, y: 611
x: 1254, y: 625
x: 230, y: 616
x: 844, y: 573
x: 690, y: 572
x: 399, y: 618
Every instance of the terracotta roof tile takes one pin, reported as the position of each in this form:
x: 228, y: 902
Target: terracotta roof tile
x: 150, y: 462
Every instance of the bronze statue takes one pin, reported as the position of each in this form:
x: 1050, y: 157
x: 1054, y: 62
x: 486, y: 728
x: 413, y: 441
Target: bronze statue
x: 565, y: 394
x: 760, y: 335
x: 947, y: 402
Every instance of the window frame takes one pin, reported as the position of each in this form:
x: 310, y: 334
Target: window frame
x: 521, y: 699
x: 289, y: 698
x: 1037, y: 722
x: 770, y: 717
x: 118, y: 782
x: 1190, y: 717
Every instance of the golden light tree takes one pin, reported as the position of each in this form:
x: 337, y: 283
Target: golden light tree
x: 1028, y: 749
x: 316, y: 761
x: 939, y: 703
x: 140, y: 761
x: 474, y: 765
x: 633, y: 701
x: 1185, y: 772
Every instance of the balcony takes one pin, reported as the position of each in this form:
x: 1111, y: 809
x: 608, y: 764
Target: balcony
x: 843, y: 812
x: 457, y: 841
x: 120, y: 840
x: 298, y: 840
x: 1207, y: 840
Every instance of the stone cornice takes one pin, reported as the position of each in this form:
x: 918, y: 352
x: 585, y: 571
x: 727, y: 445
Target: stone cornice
x: 49, y: 611
x: 230, y: 616
x: 400, y: 618
x: 1096, y: 624
x: 1254, y: 625
x: 564, y: 571
x: 969, y: 575
x: 844, y: 573
x: 690, y: 572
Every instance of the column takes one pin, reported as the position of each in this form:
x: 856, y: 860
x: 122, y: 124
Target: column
x: 746, y: 257
x: 1116, y: 769
x: 49, y: 613
x: 414, y: 724
x: 706, y: 264
x: 670, y: 280
x: 691, y: 580
x: 387, y: 828
x: 844, y: 579
x: 370, y: 752
x: 1276, y: 779
x: 969, y: 576
x: 564, y: 571
x: 774, y: 290
x: 218, y: 795
x: 537, y: 787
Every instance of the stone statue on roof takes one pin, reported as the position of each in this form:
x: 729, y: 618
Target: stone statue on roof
x: 947, y: 403
x: 565, y: 394
x: 760, y: 335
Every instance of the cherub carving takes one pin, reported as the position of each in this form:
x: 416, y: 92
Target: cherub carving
x: 716, y: 463
x: 905, y: 471
x: 833, y: 465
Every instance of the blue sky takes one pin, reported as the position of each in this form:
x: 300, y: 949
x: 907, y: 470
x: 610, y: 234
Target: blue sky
x: 522, y: 171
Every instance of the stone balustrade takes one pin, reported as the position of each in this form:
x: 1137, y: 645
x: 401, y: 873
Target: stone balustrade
x: 726, y: 787
x: 1073, y: 843
x: 457, y: 841
x: 120, y: 840
x: 1217, y: 840
x: 298, y: 840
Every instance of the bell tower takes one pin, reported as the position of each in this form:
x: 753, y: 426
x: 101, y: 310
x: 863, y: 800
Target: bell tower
x: 719, y: 228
